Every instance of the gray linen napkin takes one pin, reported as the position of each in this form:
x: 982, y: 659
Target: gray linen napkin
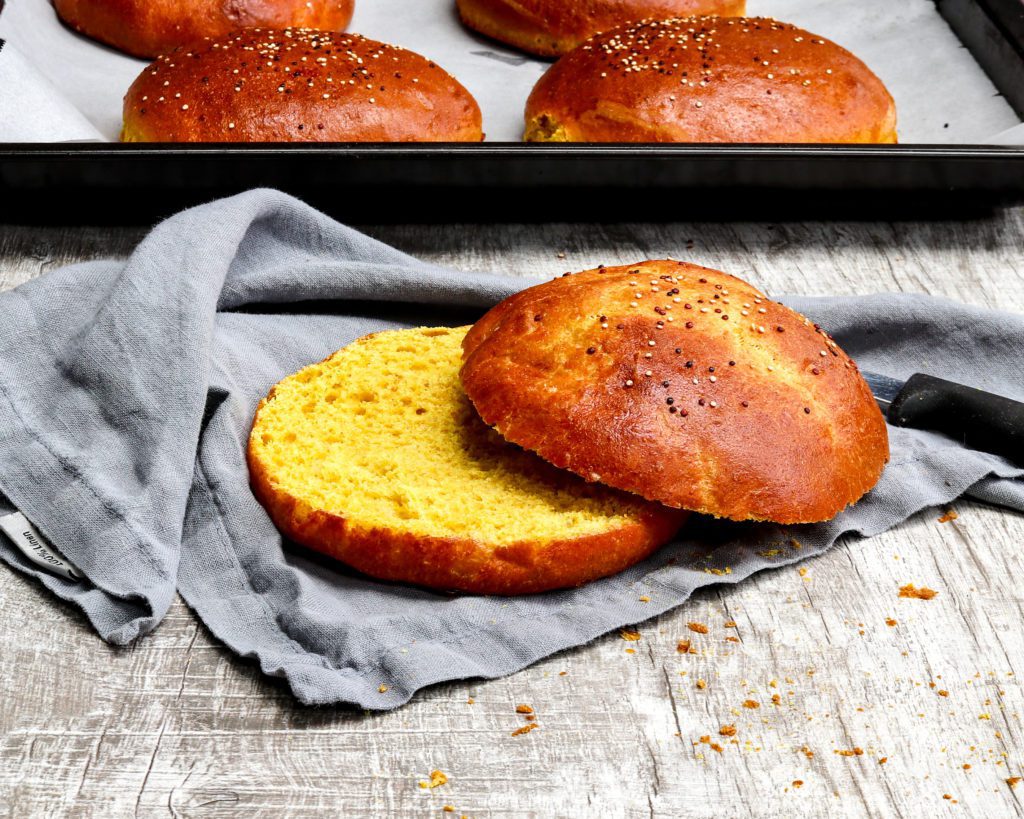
x: 126, y: 394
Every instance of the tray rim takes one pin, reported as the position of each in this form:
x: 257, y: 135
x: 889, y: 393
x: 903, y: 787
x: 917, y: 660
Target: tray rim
x: 518, y: 150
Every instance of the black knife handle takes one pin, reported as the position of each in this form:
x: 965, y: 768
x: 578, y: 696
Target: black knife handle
x: 978, y: 419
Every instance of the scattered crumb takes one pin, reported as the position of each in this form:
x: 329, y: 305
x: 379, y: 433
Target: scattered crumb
x: 943, y: 693
x: 923, y: 593
x: 796, y: 544
x: 470, y: 701
x: 727, y: 730
x: 382, y: 688
x: 984, y: 716
x: 706, y: 739
x: 437, y: 779
x: 683, y: 646
x: 1013, y: 781
x: 751, y: 704
x: 562, y: 673
x: 729, y: 624
x: 890, y: 622
x: 701, y: 685
x: 770, y: 553
x: 629, y: 635
x: 448, y: 809
x: 807, y: 752
x: 776, y: 699
x: 525, y: 729
x: 883, y: 760
x: 524, y: 709
x: 850, y: 752
x: 949, y: 515
x: 798, y: 783
x: 731, y: 639
x: 967, y: 766
x: 803, y: 571
x: 645, y: 599
x: 631, y: 651
x: 700, y: 628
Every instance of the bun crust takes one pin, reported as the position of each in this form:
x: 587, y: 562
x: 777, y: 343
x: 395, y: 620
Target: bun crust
x: 298, y: 85
x: 683, y: 385
x: 462, y: 564
x: 554, y: 27
x: 376, y: 458
x: 148, y: 28
x: 709, y: 79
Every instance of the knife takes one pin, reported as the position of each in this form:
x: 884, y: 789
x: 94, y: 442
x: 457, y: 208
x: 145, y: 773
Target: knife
x: 977, y: 419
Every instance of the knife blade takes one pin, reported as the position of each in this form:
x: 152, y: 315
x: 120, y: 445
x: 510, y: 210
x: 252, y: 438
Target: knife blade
x: 977, y: 419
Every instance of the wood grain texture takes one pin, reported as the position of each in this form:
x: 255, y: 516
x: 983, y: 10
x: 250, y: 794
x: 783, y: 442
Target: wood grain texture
x: 176, y: 726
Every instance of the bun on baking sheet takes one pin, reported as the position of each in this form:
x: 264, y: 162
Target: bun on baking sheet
x: 553, y: 27
x: 710, y: 79
x: 148, y: 28
x: 683, y: 385
x: 294, y: 85
x: 375, y: 457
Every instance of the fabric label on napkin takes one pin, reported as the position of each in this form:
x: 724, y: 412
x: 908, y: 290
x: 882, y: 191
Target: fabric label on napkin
x: 35, y: 547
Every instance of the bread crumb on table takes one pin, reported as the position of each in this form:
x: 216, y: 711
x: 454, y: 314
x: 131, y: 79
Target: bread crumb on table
x: 727, y: 730
x: 699, y: 628
x: 525, y: 729
x: 437, y: 779
x: 923, y: 593
x: 1013, y: 781
x: 629, y: 634
x: 948, y: 515
x: 524, y: 709
x: 683, y: 646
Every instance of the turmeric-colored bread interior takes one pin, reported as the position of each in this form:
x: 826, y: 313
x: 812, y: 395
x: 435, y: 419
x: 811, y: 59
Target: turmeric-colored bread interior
x: 376, y: 456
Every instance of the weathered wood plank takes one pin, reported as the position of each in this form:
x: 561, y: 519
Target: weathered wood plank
x: 175, y: 726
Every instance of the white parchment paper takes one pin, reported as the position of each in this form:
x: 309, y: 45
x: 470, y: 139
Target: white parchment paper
x: 942, y: 95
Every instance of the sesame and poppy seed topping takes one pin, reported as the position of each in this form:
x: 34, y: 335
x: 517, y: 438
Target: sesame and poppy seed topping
x: 262, y: 85
x: 720, y: 418
x: 703, y: 79
x: 553, y: 27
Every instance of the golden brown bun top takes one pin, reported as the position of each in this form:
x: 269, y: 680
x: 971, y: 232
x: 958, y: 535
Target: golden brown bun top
x: 147, y: 28
x: 552, y: 27
x: 682, y: 384
x: 710, y: 79
x: 298, y: 85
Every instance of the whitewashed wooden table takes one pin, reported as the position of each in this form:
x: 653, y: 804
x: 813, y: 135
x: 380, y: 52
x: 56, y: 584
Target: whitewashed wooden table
x: 929, y: 691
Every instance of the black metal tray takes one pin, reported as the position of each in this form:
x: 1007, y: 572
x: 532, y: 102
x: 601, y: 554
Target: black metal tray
x: 518, y: 182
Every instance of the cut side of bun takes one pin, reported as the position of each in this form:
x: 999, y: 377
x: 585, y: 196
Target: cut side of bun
x: 376, y: 457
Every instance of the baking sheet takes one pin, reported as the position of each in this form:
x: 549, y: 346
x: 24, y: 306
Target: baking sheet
x: 942, y: 95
